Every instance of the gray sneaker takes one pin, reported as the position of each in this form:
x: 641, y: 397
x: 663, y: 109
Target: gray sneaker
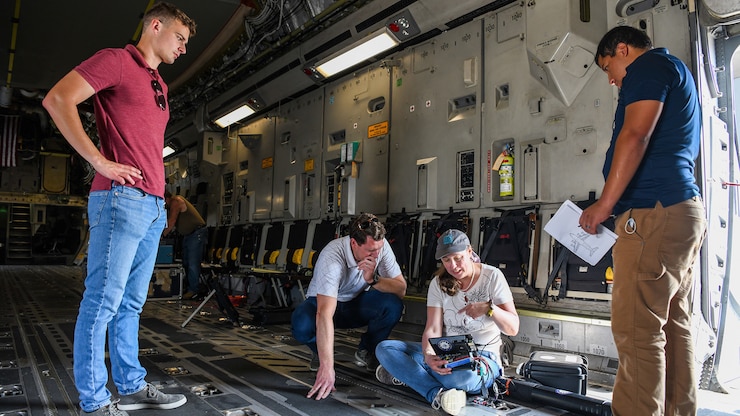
x: 151, y: 398
x: 110, y: 410
x: 385, y: 377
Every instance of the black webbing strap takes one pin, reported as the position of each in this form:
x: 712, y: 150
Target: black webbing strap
x: 559, y: 263
x: 489, y: 242
x: 564, y: 275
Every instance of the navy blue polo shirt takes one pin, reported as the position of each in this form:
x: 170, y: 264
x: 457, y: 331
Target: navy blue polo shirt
x: 666, y: 174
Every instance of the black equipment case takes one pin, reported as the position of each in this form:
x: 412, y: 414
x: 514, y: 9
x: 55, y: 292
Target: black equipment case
x: 586, y: 278
x: 267, y: 315
x: 557, y: 369
x: 581, y: 276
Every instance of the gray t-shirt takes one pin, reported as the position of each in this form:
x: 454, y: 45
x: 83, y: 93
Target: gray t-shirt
x: 336, y: 273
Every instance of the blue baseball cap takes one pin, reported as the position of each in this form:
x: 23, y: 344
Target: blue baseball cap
x: 451, y: 241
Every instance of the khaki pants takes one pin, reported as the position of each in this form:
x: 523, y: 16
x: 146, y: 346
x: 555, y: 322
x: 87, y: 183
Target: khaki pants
x: 651, y: 309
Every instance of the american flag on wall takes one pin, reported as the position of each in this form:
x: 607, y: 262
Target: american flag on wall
x: 9, y: 132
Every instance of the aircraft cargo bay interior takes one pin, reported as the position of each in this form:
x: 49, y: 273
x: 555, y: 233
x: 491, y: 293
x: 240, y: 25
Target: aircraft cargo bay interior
x: 385, y: 207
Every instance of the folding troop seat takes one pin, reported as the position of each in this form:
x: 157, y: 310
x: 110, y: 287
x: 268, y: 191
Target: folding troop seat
x: 216, y: 245
x: 269, y: 269
x: 250, y: 245
x: 401, y: 231
x: 230, y: 255
x: 294, y: 262
x: 324, y: 232
x: 231, y: 281
x: 297, y: 234
x: 273, y: 244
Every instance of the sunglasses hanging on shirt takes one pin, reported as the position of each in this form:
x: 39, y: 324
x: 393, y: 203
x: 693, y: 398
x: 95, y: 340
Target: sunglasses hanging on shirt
x: 159, y: 95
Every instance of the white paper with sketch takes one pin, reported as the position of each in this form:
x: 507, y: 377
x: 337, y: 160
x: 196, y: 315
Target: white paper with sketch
x: 563, y: 226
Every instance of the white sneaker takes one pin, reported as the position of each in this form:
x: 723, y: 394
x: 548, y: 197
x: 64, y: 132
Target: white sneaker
x: 451, y: 401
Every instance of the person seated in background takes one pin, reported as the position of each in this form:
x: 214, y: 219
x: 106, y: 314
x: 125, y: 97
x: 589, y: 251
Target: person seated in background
x: 340, y: 296
x: 183, y: 217
x: 465, y: 297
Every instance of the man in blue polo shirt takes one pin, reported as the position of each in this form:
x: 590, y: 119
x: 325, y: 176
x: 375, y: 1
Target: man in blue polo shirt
x: 650, y: 187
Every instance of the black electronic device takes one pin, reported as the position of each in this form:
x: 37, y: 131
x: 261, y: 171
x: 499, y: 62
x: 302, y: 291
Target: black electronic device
x: 458, y: 350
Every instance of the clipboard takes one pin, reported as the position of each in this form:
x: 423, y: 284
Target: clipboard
x: 563, y: 227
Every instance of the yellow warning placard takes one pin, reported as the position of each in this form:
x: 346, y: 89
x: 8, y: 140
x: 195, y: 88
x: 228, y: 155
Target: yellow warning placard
x: 308, y: 165
x: 378, y: 129
x: 266, y: 163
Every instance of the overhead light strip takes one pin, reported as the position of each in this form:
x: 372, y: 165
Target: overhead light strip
x: 235, y: 115
x: 168, y: 150
x: 376, y: 43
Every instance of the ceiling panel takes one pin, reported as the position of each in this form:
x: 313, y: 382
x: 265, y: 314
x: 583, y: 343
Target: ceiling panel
x: 53, y: 36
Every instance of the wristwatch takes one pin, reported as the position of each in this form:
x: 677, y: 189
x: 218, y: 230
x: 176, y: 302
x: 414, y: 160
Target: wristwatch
x: 376, y: 278
x: 490, y: 311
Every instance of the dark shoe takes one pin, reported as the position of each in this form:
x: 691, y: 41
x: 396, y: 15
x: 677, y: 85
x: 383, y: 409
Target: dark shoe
x: 372, y: 363
x: 110, y: 410
x: 363, y: 358
x: 151, y: 398
x: 314, y: 364
x: 188, y: 295
x: 385, y: 377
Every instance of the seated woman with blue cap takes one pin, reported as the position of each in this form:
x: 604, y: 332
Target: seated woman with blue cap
x: 465, y: 297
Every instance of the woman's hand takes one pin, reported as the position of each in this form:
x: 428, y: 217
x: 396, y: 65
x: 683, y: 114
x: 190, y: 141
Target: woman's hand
x: 475, y: 310
x: 437, y: 364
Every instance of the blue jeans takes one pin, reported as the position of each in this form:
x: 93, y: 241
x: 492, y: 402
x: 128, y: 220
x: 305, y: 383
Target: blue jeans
x: 405, y: 361
x: 192, y: 254
x: 379, y: 311
x: 125, y: 227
